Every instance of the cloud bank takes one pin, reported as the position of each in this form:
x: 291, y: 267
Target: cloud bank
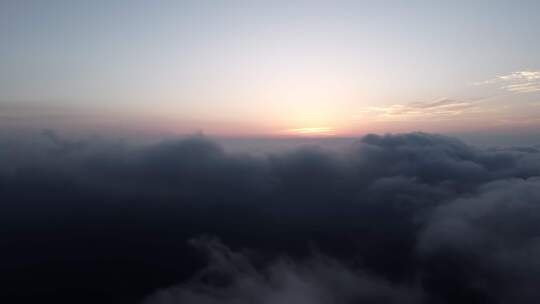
x: 405, y: 218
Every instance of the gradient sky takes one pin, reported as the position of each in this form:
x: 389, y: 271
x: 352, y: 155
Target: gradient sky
x: 271, y: 67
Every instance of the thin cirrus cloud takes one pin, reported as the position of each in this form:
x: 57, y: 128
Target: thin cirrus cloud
x: 526, y: 81
x: 435, y: 109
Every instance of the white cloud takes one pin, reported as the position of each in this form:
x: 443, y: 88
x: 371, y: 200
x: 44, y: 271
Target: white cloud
x: 437, y: 109
x: 518, y: 82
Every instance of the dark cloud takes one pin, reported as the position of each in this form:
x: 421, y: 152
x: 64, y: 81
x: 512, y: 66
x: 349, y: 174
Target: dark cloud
x: 419, y: 217
x: 495, y: 235
x: 230, y: 277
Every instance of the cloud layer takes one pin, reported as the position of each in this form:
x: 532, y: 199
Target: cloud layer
x: 407, y: 218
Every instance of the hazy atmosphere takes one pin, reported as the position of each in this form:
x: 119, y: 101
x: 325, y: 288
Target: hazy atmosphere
x: 271, y: 68
x: 273, y: 152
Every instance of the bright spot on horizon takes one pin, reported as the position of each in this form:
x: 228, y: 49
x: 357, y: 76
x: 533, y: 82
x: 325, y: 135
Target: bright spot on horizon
x: 328, y: 131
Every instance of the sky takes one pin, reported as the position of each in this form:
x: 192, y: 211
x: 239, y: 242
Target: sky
x: 271, y: 68
x: 239, y: 152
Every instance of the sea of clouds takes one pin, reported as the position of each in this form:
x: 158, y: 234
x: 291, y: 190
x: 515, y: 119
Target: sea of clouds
x: 404, y: 218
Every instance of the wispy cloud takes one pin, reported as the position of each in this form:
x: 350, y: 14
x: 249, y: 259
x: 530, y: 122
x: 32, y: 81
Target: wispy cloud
x: 438, y: 109
x: 519, y: 82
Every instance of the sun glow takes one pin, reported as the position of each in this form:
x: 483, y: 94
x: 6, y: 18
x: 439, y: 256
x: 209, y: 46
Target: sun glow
x: 313, y: 131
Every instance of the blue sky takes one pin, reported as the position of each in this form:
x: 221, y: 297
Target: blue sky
x: 272, y: 67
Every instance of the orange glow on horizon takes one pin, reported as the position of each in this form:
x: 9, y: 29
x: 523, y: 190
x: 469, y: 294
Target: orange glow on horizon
x: 313, y: 131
